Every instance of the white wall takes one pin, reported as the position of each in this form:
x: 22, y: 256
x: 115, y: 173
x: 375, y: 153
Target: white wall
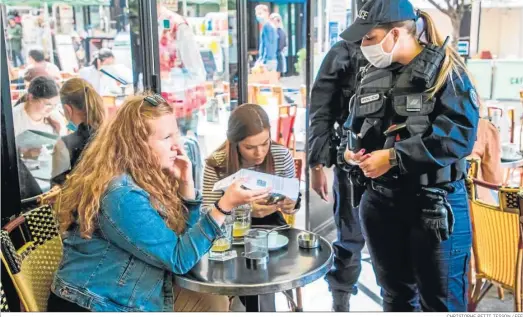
x: 501, y: 32
x: 501, y: 28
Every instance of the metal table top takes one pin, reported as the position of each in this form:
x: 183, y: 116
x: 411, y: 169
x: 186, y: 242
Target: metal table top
x: 288, y: 268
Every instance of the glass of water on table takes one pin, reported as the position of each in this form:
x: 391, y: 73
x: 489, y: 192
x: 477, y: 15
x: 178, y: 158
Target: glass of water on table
x: 242, y: 221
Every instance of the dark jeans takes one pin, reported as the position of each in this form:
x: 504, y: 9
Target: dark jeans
x: 17, y: 57
x: 346, y: 269
x: 415, y: 272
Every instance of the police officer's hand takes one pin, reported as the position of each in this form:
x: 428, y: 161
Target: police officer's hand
x: 355, y: 158
x: 319, y: 183
x: 376, y: 164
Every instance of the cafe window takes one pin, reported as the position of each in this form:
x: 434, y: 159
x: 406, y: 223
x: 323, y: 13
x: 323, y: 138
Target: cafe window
x: 59, y: 41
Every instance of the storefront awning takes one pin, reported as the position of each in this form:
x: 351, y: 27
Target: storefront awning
x: 38, y: 3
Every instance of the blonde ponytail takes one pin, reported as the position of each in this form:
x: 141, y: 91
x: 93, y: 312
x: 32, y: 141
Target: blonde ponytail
x: 95, y: 111
x: 79, y: 94
x: 452, y: 64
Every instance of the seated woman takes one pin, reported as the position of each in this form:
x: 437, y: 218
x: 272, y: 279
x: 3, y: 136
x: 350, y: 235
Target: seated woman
x: 85, y: 111
x: 38, y: 112
x: 249, y: 146
x: 130, y: 218
x: 487, y: 149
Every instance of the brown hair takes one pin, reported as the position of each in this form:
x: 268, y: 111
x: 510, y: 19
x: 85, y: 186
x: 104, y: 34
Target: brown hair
x: 121, y: 147
x: 79, y: 94
x: 452, y: 64
x: 245, y: 121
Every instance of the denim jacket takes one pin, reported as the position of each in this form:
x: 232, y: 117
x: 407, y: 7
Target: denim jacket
x: 128, y: 263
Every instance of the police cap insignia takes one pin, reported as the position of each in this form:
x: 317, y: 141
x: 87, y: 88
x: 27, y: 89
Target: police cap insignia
x: 473, y: 95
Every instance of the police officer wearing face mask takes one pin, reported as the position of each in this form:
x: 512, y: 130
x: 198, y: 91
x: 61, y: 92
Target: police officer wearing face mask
x: 334, y: 86
x: 412, y: 122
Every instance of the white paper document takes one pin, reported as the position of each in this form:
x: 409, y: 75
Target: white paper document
x: 288, y: 187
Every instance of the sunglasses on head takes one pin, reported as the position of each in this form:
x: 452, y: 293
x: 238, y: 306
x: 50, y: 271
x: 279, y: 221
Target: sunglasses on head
x: 155, y: 100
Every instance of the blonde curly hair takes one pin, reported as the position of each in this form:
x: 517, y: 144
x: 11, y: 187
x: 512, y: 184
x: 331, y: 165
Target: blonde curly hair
x: 121, y: 147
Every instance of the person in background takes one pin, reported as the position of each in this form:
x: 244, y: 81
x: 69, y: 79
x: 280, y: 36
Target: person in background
x: 267, y: 52
x: 282, y: 43
x: 131, y: 218
x: 32, y: 73
x: 102, y: 83
x: 178, y: 46
x: 93, y: 75
x: 36, y: 59
x: 249, y: 146
x: 487, y: 149
x: 181, y: 63
x: 29, y: 75
x: 39, y: 111
x: 14, y: 36
x: 85, y: 112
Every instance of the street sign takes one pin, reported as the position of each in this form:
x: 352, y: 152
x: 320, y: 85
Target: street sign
x: 463, y: 48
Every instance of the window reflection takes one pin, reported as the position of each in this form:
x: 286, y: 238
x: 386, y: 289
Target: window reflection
x: 48, y: 44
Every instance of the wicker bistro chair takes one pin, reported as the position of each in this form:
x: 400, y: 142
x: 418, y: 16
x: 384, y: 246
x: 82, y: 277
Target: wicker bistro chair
x: 497, y: 242
x: 31, y: 266
x: 4, y: 307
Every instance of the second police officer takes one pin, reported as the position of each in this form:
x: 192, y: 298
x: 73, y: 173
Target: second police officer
x: 334, y: 86
x: 412, y: 122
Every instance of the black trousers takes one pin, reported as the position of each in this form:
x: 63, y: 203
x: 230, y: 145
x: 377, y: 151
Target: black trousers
x: 346, y: 268
x: 415, y: 272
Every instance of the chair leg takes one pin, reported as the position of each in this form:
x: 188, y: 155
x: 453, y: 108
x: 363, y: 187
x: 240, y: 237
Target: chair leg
x: 501, y: 293
x: 299, y: 301
x: 480, y: 290
x: 506, y: 176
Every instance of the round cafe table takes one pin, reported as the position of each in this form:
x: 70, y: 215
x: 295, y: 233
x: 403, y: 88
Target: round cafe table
x: 288, y: 268
x: 512, y: 164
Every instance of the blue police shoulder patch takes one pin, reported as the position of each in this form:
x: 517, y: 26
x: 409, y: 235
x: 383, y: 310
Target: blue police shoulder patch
x: 473, y: 96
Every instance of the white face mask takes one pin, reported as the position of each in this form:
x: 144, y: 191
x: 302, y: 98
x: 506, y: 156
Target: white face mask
x: 376, y: 55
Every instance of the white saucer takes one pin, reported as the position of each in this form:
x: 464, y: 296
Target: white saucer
x: 280, y: 242
x: 514, y: 157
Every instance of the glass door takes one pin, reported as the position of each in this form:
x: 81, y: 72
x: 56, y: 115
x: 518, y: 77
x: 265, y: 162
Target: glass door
x: 197, y: 58
x: 47, y: 44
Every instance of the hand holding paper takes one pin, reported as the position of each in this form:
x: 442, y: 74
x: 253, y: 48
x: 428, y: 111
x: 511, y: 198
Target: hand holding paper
x: 288, y: 187
x: 260, y: 209
x: 287, y: 206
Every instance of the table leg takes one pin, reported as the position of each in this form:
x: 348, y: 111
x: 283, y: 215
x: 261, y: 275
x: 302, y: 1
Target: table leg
x: 252, y: 304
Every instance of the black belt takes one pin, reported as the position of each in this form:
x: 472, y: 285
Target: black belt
x: 385, y: 191
x: 392, y: 191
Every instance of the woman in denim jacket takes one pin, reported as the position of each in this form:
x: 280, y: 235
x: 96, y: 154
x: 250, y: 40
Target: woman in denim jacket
x: 130, y: 218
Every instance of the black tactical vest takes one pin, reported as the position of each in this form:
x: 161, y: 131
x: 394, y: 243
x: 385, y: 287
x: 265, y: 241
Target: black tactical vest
x: 386, y: 97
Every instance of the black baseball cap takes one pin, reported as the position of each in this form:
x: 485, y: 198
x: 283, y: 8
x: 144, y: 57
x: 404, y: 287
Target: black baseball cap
x: 377, y: 12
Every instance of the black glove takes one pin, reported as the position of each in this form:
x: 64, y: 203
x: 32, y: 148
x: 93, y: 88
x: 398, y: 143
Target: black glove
x: 436, y: 213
